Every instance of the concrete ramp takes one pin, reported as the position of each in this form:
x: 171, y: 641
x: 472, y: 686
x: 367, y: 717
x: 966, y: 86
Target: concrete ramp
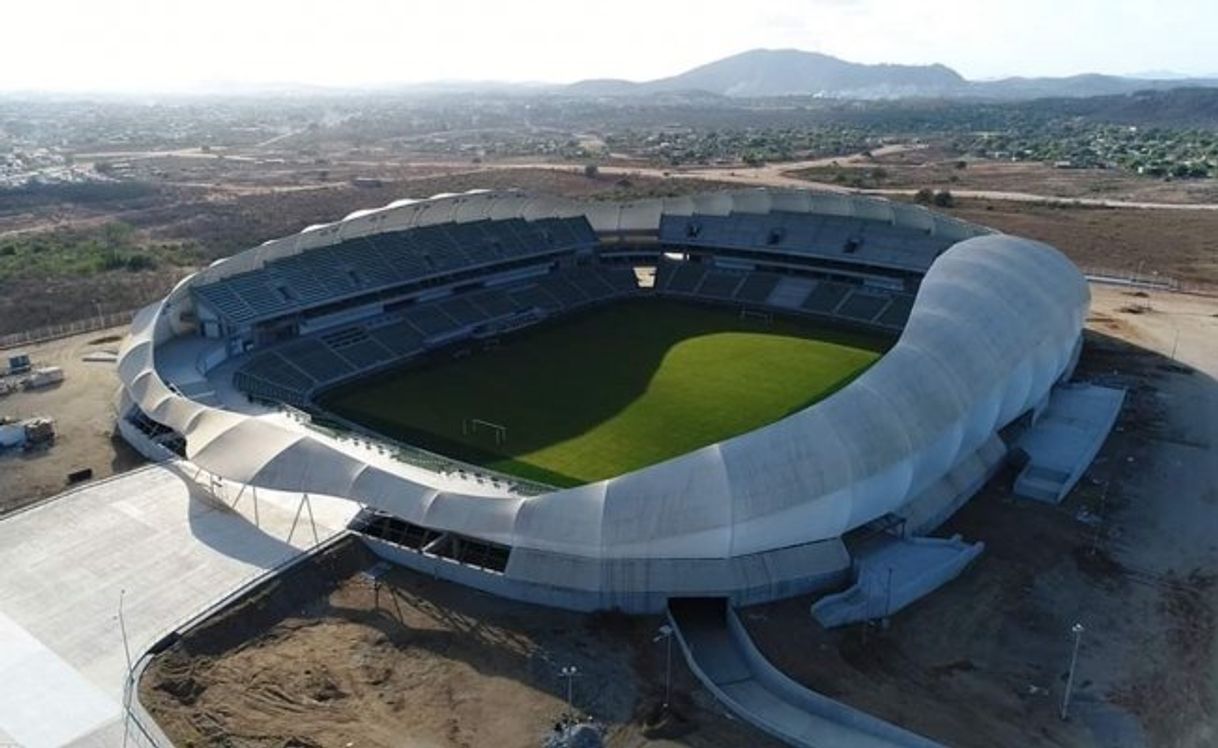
x: 1065, y: 439
x: 893, y: 572
x: 726, y: 661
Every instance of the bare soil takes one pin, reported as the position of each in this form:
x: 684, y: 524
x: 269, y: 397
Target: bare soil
x: 937, y: 169
x: 1130, y: 554
x: 323, y: 657
x: 83, y: 409
x: 981, y: 662
x: 235, y: 205
x: 1174, y: 243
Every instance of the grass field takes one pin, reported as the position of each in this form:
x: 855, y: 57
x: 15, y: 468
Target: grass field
x: 610, y: 390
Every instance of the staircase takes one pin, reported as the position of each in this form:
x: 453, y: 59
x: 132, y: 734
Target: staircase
x: 790, y: 292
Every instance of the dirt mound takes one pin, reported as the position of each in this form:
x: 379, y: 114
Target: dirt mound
x: 322, y: 657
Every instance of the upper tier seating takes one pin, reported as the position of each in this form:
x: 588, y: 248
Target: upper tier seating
x: 290, y: 371
x: 363, y: 265
x: 799, y: 293
x: 831, y: 237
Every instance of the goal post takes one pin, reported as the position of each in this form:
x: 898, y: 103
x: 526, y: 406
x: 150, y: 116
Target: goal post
x: 473, y: 426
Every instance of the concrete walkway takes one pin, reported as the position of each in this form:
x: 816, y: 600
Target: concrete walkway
x: 727, y: 662
x: 892, y: 573
x: 150, y: 536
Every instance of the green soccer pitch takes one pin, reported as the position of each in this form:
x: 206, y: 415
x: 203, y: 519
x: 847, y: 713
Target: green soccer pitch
x: 608, y: 390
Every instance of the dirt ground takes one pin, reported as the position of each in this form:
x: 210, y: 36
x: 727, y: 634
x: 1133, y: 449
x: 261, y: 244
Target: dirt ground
x: 1177, y: 244
x: 936, y: 168
x: 218, y: 206
x: 1131, y: 554
x: 225, y: 212
x: 83, y: 409
x: 324, y: 658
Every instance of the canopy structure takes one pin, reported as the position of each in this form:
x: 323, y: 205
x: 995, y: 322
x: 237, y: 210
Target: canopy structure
x: 996, y: 323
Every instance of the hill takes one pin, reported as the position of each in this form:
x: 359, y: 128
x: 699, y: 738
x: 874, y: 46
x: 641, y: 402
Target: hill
x: 791, y: 72
x: 1078, y: 86
x: 762, y: 73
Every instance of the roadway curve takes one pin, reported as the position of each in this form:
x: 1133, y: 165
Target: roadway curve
x: 779, y: 175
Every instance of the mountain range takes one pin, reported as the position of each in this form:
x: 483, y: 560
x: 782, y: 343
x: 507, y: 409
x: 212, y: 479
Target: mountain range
x: 790, y: 72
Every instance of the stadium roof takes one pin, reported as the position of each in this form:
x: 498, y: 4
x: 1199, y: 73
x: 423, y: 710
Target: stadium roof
x: 995, y: 324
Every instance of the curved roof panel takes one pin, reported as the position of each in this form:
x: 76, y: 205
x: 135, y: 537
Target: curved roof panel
x: 992, y: 328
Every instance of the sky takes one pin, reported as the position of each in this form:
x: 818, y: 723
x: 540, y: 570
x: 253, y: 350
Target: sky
x: 168, y: 45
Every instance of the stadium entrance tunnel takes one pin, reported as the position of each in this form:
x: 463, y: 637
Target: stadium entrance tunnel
x: 465, y: 550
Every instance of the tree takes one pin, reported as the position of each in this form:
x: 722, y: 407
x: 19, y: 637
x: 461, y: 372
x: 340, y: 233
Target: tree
x: 591, y: 171
x: 924, y: 196
x: 944, y: 199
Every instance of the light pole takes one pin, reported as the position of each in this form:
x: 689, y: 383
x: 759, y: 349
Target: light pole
x: 1077, y: 630
x: 122, y: 627
x: 666, y: 633
x: 569, y: 672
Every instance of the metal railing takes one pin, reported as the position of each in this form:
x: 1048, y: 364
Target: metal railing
x: 54, y: 332
x: 346, y: 431
x: 1148, y: 279
x: 140, y: 728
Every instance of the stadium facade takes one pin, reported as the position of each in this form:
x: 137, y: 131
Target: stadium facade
x: 985, y: 324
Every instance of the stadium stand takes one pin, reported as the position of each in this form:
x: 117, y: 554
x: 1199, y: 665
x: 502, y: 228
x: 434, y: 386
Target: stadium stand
x: 622, y: 279
x: 315, y: 358
x: 757, y: 287
x: 830, y: 237
x: 720, y: 284
x: 897, y: 312
x: 685, y: 277
x: 863, y: 306
x: 594, y: 285
x: 291, y: 371
x: 825, y: 297
x: 398, y: 336
x: 790, y: 292
x: 461, y: 310
x: 360, y: 266
x: 328, y: 279
x: 493, y: 302
x: 534, y: 297
x: 429, y: 319
x: 845, y: 300
x: 356, y: 346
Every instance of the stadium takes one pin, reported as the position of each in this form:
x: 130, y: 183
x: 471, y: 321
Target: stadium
x: 599, y: 405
